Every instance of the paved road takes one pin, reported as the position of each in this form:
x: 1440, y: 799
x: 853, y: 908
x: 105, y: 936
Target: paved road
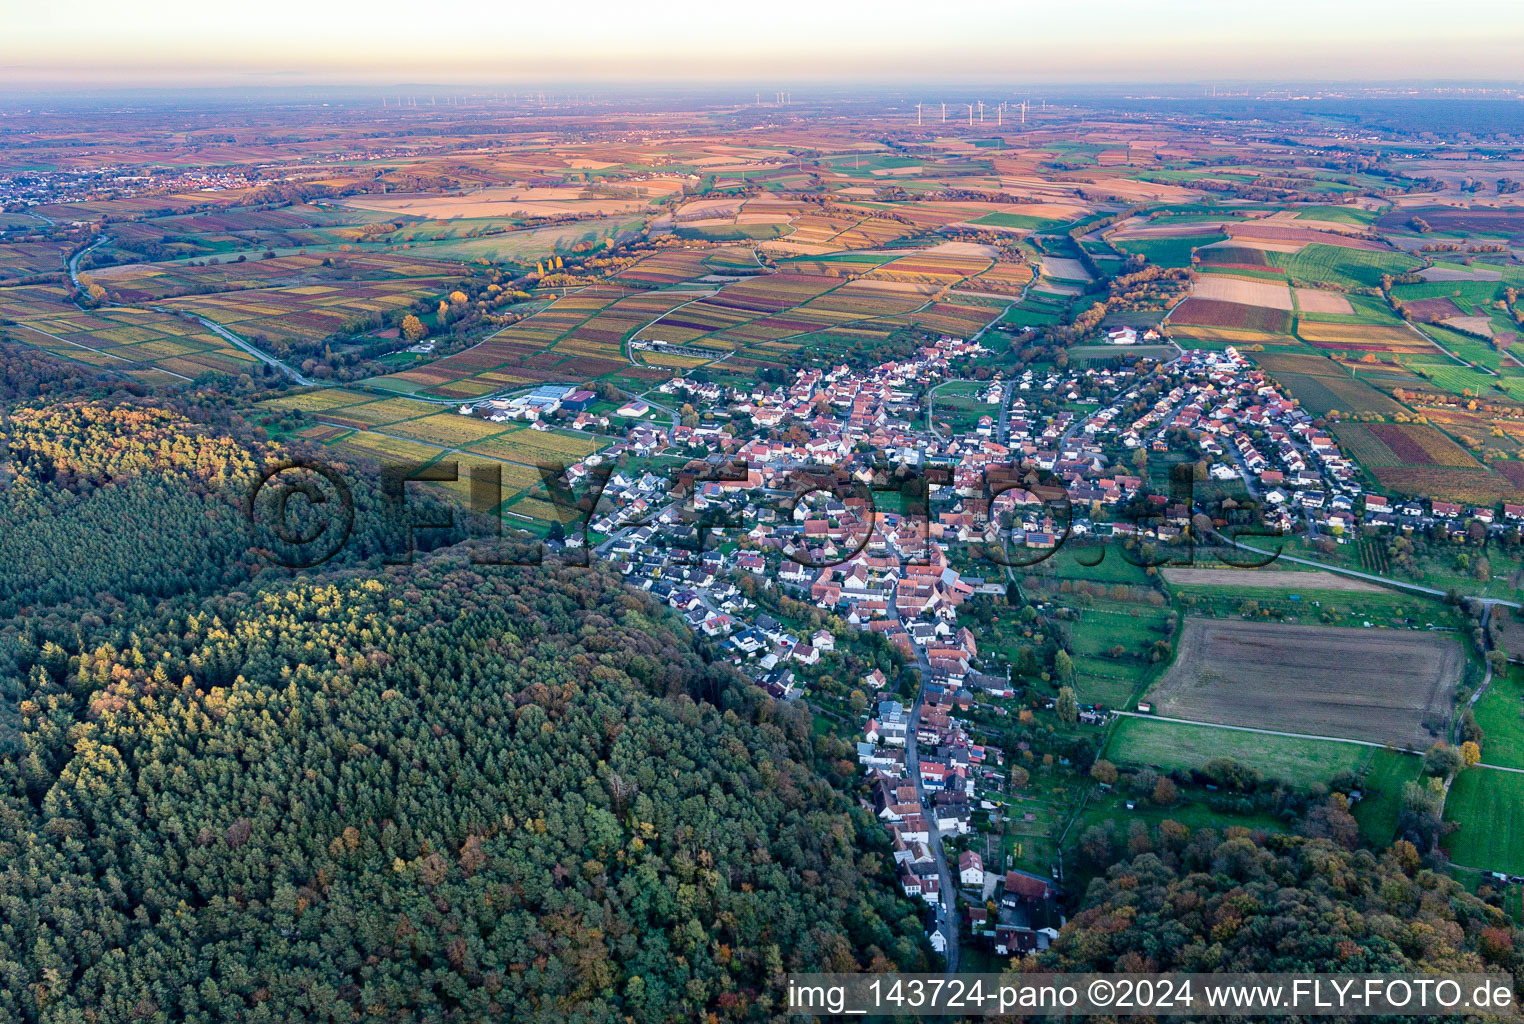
x: 74, y: 260
x: 1003, y: 434
x: 947, y: 911
x: 261, y: 355
x: 1385, y: 580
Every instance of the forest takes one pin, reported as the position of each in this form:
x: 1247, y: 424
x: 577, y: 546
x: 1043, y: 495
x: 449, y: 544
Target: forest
x: 433, y: 795
x: 1230, y: 902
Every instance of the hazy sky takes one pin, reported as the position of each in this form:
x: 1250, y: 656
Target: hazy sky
x: 175, y: 41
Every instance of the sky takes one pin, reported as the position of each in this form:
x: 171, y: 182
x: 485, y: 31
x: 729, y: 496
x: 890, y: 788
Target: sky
x: 774, y: 43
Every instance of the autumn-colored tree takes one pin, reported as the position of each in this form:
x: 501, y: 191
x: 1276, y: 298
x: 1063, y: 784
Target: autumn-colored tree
x: 1165, y: 792
x: 413, y: 328
x: 1067, y: 704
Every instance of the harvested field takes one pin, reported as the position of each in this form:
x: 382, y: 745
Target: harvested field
x: 1064, y: 269
x: 1223, y: 254
x: 1316, y: 300
x: 1383, y: 686
x: 1430, y: 310
x: 1232, y: 315
x: 1478, y: 325
x: 1453, y: 274
x: 1270, y: 579
x: 1277, y: 233
x: 497, y: 202
x: 1364, y: 337
x: 1245, y: 290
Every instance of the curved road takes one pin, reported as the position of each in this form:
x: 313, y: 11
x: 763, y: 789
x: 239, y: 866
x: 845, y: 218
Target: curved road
x: 262, y: 356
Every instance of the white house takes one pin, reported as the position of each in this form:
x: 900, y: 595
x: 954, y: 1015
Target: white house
x: 970, y: 869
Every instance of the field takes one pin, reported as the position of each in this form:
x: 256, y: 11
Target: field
x: 1272, y: 579
x: 1381, y: 786
x: 147, y: 345
x: 1167, y: 251
x: 1317, y: 300
x: 1175, y: 745
x: 1231, y: 315
x: 287, y: 318
x: 1488, y: 805
x: 1352, y: 215
x: 1383, y: 686
x: 1320, y: 263
x: 1500, y: 712
x: 1249, y: 291
x: 1329, y: 388
x: 1363, y: 337
x: 1419, y: 444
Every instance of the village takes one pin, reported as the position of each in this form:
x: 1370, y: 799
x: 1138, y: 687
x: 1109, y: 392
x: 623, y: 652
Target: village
x: 794, y: 507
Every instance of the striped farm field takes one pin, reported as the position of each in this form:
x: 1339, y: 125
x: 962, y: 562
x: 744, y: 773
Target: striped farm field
x: 448, y: 429
x: 1479, y: 486
x: 932, y: 269
x: 1231, y: 315
x: 1225, y: 254
x: 1343, y: 265
x: 1419, y: 444
x: 378, y: 413
x: 1366, y: 448
x: 538, y: 508
x: 382, y: 448
x: 134, y: 341
x: 323, y: 433
x: 287, y: 317
x: 672, y: 360
x: 533, y: 447
x: 1321, y: 394
x: 1249, y: 291
x: 1363, y: 337
x: 1201, y: 332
